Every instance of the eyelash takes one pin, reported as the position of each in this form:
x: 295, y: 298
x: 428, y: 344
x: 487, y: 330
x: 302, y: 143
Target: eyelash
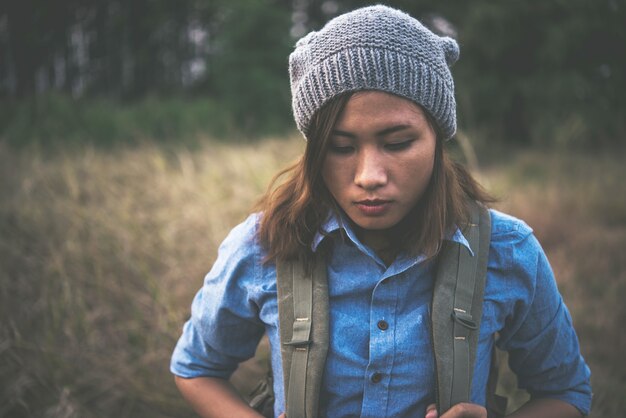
x: 393, y: 147
x: 399, y: 146
x: 341, y: 149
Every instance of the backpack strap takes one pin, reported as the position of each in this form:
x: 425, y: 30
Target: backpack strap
x: 457, y: 309
x: 304, y: 345
x: 456, y: 313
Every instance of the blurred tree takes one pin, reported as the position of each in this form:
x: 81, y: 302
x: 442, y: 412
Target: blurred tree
x: 250, y: 63
x: 29, y: 49
x: 544, y: 72
x: 530, y: 72
x: 548, y: 72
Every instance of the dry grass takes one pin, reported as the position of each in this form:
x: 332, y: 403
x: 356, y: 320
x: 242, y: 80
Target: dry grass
x: 577, y: 206
x: 101, y: 252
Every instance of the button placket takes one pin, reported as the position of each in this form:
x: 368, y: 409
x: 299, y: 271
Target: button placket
x: 381, y: 355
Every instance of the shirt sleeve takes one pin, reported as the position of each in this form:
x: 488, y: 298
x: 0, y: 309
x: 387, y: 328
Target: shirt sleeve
x: 224, y: 328
x: 538, y: 334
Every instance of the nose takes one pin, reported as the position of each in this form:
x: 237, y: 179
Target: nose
x: 370, y: 172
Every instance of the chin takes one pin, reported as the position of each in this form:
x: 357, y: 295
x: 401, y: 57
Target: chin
x: 375, y: 224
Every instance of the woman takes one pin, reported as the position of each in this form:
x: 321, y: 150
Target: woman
x: 376, y: 196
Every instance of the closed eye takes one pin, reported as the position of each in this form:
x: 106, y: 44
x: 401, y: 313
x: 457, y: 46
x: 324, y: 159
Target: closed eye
x: 341, y: 149
x: 399, y: 146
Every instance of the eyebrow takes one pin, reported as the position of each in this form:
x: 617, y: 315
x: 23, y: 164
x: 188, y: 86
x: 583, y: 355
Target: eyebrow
x: 383, y: 132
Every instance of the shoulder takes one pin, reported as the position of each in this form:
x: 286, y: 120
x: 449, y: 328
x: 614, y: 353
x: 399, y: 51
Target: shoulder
x: 238, y: 273
x: 247, y: 229
x: 513, y: 244
x: 507, y: 227
x: 519, y: 276
x: 517, y: 264
x: 240, y: 255
x: 243, y: 237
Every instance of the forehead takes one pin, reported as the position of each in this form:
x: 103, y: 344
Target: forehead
x: 374, y: 108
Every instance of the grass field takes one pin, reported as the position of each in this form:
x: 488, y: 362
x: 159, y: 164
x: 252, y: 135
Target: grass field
x: 102, y: 251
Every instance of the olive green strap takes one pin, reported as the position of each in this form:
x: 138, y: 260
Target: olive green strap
x: 305, y: 342
x: 300, y: 340
x: 304, y: 333
x: 464, y: 321
x: 457, y: 309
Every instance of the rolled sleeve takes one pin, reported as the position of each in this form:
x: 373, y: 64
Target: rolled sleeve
x: 543, y: 347
x: 224, y: 328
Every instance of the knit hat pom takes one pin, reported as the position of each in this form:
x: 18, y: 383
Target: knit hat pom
x: 451, y: 49
x: 305, y: 39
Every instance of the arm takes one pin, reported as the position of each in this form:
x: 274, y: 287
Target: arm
x: 535, y: 408
x: 554, y: 408
x: 539, y: 336
x: 214, y: 397
x: 224, y: 329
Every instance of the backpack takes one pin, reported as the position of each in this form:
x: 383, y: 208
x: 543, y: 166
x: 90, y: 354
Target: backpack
x: 456, y: 311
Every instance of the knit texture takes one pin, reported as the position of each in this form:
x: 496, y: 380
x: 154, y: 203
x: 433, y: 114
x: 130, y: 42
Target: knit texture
x: 374, y: 48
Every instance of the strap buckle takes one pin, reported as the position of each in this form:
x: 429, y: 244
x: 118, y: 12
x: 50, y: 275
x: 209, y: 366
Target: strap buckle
x: 298, y: 343
x: 464, y: 319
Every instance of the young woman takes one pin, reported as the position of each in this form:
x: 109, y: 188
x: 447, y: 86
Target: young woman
x: 376, y: 196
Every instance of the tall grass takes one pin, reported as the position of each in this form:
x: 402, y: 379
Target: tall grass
x: 101, y: 252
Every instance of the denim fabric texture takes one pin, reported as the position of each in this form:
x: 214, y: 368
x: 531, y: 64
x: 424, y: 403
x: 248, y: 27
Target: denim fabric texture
x: 380, y: 361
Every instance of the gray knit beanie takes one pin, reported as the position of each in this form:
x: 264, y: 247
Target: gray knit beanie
x: 374, y: 48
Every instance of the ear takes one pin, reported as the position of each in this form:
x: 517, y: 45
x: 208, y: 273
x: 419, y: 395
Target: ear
x: 451, y: 50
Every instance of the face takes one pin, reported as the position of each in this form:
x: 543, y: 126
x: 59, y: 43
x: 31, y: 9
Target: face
x: 379, y: 161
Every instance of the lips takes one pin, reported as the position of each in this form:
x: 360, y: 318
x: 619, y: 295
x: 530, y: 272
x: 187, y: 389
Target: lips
x: 373, y: 207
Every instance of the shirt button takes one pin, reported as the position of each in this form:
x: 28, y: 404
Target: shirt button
x: 383, y: 325
x: 376, y: 377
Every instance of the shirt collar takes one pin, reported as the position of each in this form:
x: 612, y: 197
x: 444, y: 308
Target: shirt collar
x: 336, y: 222
x: 331, y: 224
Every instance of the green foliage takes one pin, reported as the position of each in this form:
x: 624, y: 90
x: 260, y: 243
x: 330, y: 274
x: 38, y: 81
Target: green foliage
x: 549, y: 73
x: 55, y: 118
x: 250, y: 77
x: 553, y: 71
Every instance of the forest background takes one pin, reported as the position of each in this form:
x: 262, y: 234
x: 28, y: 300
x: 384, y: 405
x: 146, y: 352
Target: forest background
x: 134, y: 134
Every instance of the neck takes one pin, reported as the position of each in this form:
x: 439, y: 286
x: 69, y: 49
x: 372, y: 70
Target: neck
x: 382, y: 242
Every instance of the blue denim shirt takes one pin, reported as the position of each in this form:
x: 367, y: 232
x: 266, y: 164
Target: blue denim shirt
x: 237, y: 305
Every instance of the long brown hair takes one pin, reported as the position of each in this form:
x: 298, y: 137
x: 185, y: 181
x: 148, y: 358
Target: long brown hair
x: 294, y: 209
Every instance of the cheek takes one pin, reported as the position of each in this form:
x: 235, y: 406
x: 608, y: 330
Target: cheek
x: 427, y: 158
x: 419, y: 174
x: 332, y: 173
x: 429, y: 167
x: 427, y: 173
x: 336, y: 174
x: 329, y: 177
